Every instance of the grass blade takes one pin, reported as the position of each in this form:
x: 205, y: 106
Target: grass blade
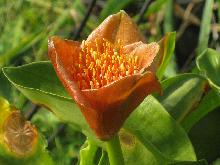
x: 205, y: 27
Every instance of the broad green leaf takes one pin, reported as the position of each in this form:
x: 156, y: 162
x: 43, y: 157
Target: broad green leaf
x: 154, y: 137
x: 209, y: 65
x: 205, y: 136
x: 181, y: 93
x: 10, y: 93
x: 200, y: 162
x: 158, y: 138
x: 171, y: 69
x: 5, y: 87
x: 166, y: 51
x: 136, y: 152
x: 205, y: 27
x: 209, y: 103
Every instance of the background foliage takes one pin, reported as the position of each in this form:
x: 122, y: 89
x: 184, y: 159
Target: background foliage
x: 189, y: 106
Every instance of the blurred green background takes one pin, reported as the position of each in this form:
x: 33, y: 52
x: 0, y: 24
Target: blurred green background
x: 26, y: 24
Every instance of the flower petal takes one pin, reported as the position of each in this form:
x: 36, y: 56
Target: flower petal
x: 62, y: 54
x: 114, y: 102
x: 116, y: 27
x: 67, y: 50
x: 146, y: 54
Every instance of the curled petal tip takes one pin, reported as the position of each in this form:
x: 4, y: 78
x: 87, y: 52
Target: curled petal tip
x: 116, y: 28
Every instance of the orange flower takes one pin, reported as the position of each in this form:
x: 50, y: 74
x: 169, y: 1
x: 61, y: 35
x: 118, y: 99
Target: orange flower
x: 109, y: 74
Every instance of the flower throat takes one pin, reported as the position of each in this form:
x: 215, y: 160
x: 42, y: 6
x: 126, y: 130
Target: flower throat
x: 98, y: 67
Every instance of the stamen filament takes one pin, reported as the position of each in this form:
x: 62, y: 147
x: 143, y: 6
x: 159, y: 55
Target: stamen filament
x: 99, y: 67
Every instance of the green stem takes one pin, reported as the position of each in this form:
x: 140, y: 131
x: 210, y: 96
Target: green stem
x: 114, y: 151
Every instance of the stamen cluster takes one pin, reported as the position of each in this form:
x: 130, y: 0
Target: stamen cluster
x: 98, y: 67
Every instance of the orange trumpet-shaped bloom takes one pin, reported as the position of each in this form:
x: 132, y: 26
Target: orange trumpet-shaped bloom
x: 109, y: 74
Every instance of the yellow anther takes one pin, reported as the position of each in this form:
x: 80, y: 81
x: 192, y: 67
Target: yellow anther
x: 91, y: 85
x: 122, y: 66
x: 100, y: 65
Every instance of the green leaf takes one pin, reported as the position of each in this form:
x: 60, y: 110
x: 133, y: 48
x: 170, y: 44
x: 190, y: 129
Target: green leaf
x: 5, y: 87
x: 167, y: 45
x: 200, y: 162
x: 208, y: 64
x: 10, y: 93
x: 181, y: 93
x: 205, y: 27
x: 154, y: 137
x: 209, y: 103
x: 157, y: 139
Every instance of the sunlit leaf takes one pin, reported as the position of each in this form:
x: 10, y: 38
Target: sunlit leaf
x: 181, y: 94
x: 158, y: 139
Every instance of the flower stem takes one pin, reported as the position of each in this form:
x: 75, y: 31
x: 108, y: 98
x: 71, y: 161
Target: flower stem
x: 114, y: 151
